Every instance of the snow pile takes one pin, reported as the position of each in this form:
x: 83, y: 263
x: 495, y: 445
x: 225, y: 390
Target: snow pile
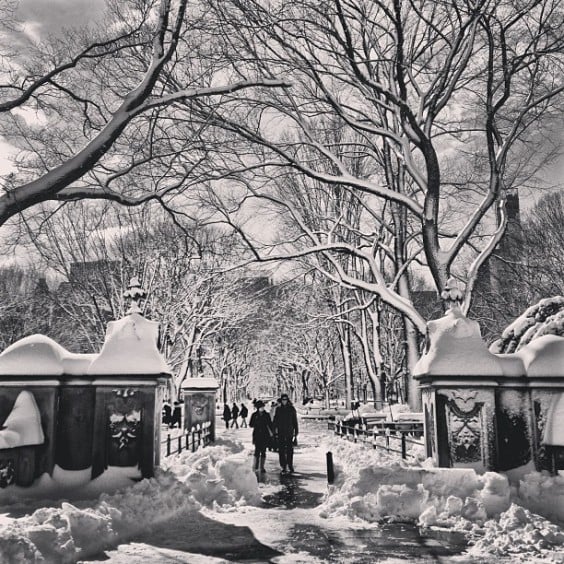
x: 542, y: 357
x: 520, y: 532
x: 428, y: 496
x: 67, y: 533
x: 544, y: 494
x: 497, y: 517
x: 214, y: 477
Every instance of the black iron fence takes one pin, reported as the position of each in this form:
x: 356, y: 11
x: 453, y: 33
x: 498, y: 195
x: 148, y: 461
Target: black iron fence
x: 389, y: 436
x: 199, y: 435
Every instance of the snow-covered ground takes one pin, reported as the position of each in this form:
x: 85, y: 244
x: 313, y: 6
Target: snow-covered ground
x: 209, y: 506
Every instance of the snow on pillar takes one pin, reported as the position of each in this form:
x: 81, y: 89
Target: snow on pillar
x: 457, y: 375
x: 67, y: 418
x: 129, y: 374
x: 491, y: 411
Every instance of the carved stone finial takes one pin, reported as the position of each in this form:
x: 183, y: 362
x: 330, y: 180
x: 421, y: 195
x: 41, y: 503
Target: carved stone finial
x: 452, y: 295
x: 135, y: 293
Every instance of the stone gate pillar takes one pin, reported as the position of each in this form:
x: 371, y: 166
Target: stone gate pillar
x: 500, y: 412
x: 199, y: 402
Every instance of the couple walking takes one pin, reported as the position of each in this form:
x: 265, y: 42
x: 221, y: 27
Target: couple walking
x: 283, y: 428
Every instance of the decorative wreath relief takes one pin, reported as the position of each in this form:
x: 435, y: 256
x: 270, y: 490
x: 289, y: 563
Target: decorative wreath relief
x: 7, y: 473
x: 124, y: 428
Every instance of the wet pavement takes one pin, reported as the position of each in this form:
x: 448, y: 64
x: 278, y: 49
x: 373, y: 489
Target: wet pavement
x: 286, y: 527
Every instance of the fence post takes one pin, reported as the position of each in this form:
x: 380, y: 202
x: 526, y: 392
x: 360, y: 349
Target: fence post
x: 374, y: 438
x: 387, y: 433
x: 187, y: 441
x: 193, y: 441
x: 199, y: 436
x: 168, y: 444
x: 330, y: 468
x: 179, y: 444
x: 403, y: 447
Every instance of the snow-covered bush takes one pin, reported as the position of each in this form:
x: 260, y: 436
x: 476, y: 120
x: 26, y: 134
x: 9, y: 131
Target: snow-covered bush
x: 544, y: 318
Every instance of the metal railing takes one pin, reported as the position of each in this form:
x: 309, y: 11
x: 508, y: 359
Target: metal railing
x: 198, y: 435
x: 381, y: 437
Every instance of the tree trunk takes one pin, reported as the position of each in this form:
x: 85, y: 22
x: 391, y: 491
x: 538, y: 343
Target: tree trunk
x: 346, y: 352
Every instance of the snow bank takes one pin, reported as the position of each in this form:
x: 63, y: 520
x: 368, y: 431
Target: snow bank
x: 429, y: 496
x: 36, y: 354
x: 520, y: 532
x: 217, y: 478
x: 543, y: 494
x: 497, y: 518
x: 214, y: 476
x: 61, y: 535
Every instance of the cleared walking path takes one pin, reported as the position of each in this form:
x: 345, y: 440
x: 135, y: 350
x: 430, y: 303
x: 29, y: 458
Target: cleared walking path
x: 286, y: 528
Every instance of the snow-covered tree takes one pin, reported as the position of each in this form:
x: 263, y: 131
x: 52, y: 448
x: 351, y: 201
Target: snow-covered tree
x: 91, y: 111
x: 424, y: 86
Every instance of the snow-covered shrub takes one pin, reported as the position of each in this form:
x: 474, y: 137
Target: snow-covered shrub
x: 543, y: 318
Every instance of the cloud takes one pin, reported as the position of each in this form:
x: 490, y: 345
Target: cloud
x: 44, y: 17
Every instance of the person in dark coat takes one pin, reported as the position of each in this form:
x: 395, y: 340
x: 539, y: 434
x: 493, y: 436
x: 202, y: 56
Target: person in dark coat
x: 234, y: 415
x: 167, y: 413
x: 243, y: 414
x: 226, y: 415
x: 262, y: 434
x: 286, y: 430
x: 176, y: 418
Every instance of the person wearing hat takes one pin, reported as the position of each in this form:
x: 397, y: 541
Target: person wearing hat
x: 262, y: 434
x: 286, y: 429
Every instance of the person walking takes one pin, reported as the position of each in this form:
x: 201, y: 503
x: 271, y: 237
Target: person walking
x: 226, y: 415
x: 262, y: 434
x: 176, y: 418
x: 234, y: 415
x: 243, y: 414
x: 167, y: 413
x: 286, y: 430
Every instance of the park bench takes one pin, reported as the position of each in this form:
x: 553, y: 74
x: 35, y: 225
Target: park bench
x: 369, y: 421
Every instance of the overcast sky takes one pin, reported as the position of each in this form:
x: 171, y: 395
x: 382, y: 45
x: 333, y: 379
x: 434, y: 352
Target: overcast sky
x: 49, y: 16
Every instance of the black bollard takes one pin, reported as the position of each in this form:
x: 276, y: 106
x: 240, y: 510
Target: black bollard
x: 330, y: 469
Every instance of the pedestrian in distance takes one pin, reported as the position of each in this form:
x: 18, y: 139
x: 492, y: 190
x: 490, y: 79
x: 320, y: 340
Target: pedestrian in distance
x: 167, y: 413
x: 176, y: 418
x: 234, y: 416
x: 262, y: 434
x: 286, y: 431
x: 226, y: 415
x: 244, y: 413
